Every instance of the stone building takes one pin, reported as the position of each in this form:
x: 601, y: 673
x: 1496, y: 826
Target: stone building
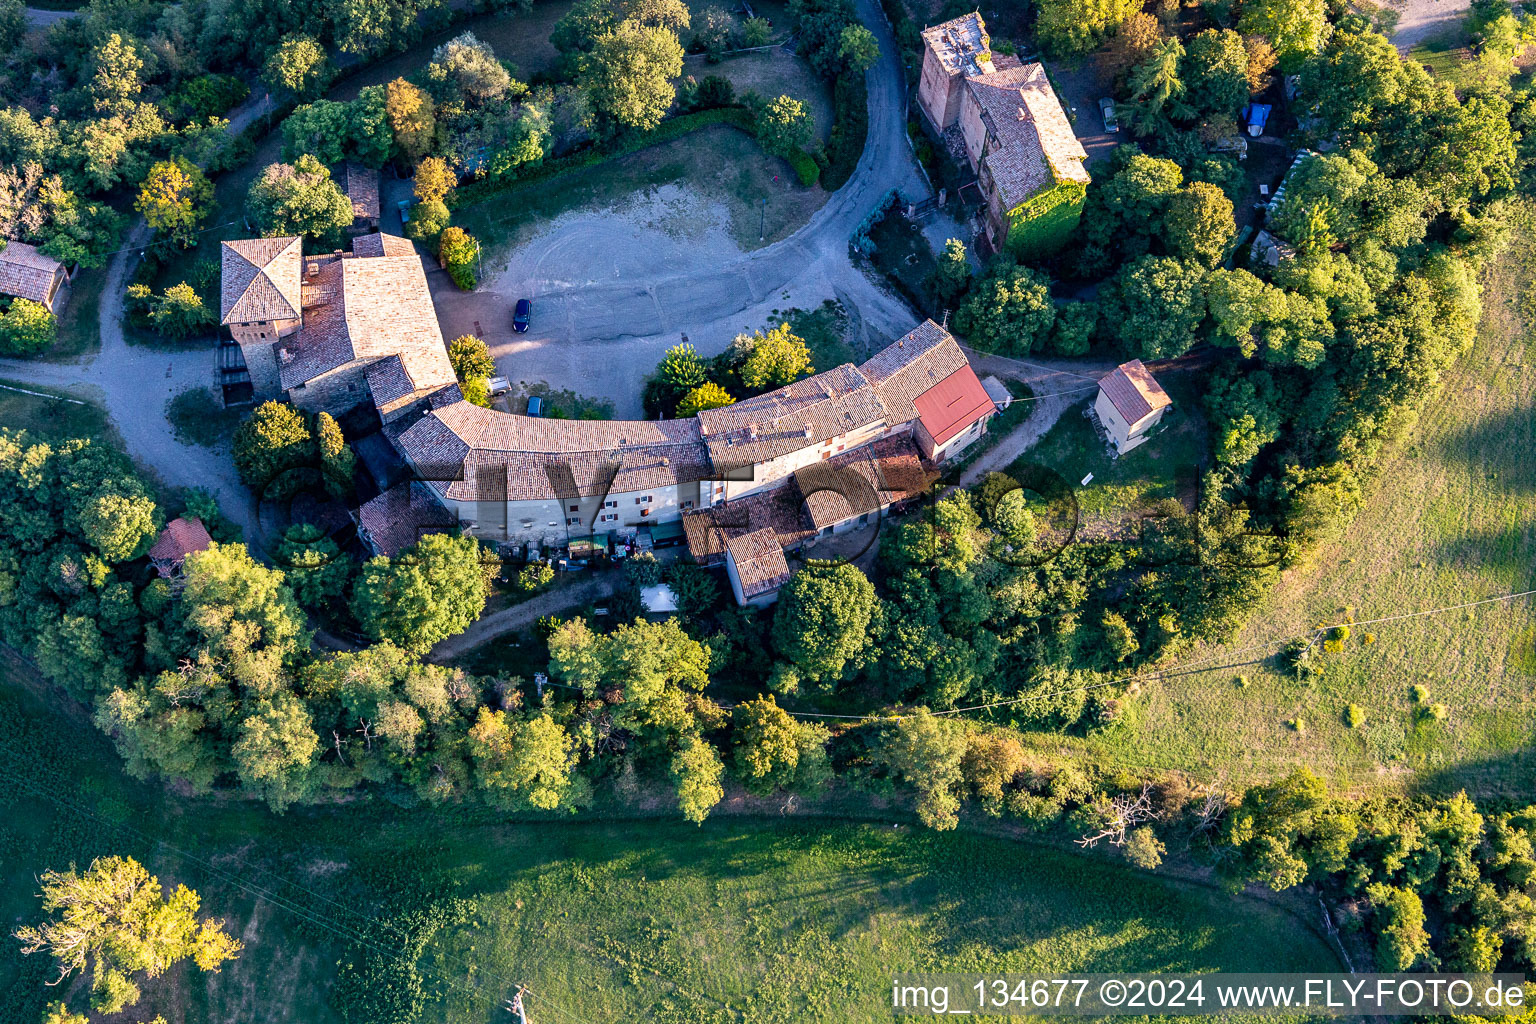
x: 27, y: 274
x: 336, y: 330
x: 1005, y: 119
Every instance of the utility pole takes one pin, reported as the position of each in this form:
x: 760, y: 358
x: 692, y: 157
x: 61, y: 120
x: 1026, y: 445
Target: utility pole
x: 515, y: 1004
x: 762, y: 220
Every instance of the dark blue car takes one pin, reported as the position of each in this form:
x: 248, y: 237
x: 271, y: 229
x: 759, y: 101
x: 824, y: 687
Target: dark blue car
x: 522, y: 315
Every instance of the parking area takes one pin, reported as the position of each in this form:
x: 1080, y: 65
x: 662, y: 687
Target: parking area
x: 1080, y: 84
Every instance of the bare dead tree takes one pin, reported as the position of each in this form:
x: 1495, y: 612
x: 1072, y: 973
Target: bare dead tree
x: 339, y: 755
x: 1122, y: 813
x: 1211, y: 809
x: 367, y: 731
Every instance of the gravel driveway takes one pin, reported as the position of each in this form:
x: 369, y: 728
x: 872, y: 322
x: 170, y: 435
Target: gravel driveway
x: 1421, y: 20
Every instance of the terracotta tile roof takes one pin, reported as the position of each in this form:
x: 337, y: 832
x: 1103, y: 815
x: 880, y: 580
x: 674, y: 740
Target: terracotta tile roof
x: 27, y: 273
x: 388, y: 381
x: 180, y: 538
x: 509, y: 457
x: 369, y: 308
x: 400, y: 516
x: 759, y: 559
x: 380, y: 244
x: 361, y: 184
x: 892, y: 470
x: 804, y: 413
x: 953, y: 404
x: 260, y: 280
x: 910, y: 366
x: 1133, y: 392
x: 1035, y: 143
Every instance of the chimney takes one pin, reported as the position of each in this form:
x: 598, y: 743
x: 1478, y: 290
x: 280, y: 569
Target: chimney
x: 666, y: 461
x: 752, y: 431
x: 808, y: 431
x: 314, y: 269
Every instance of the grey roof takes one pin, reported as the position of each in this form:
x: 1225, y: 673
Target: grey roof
x: 1036, y: 146
x: 259, y: 280
x: 366, y: 308
x: 804, y: 413
x: 759, y: 561
x: 917, y: 361
x: 380, y: 244
x: 27, y: 273
x: 400, y: 516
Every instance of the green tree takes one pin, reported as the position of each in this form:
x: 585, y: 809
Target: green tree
x: 57, y: 1013
x: 680, y: 371
x: 783, y: 127
x: 927, y: 753
x: 1398, y: 919
x: 460, y: 254
x: 775, y: 359
x: 427, y: 221
x: 114, y: 86
x: 1157, y: 90
x: 525, y: 764
x: 468, y: 67
x: 857, y: 48
x: 412, y: 121
x: 951, y: 273
x: 272, y: 440
x: 821, y: 623
x: 433, y: 590
x: 243, y: 617
x: 1076, y: 324
x: 628, y: 75
x: 298, y: 65
x: 1265, y: 836
x: 27, y: 328
x: 175, y: 198
x: 1010, y: 311
x: 695, y: 770
x: 313, y: 566
x: 1244, y: 415
x: 765, y: 741
x: 1066, y: 27
x: 471, y: 357
x: 708, y: 395
x: 1215, y: 72
x: 1199, y: 223
x: 1158, y: 304
x: 275, y: 750
x: 338, y: 466
x: 1295, y: 28
x: 298, y: 199
x: 115, y: 919
x: 120, y: 526
x: 180, y: 313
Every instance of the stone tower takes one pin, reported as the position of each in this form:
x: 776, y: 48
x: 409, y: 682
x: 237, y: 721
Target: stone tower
x: 260, y: 300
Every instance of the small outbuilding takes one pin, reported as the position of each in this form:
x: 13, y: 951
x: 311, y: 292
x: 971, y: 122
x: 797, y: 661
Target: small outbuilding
x: 755, y: 564
x: 180, y: 538
x: 1130, y: 404
x: 27, y: 274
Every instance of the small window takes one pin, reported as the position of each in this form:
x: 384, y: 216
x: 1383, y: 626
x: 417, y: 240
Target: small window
x: 573, y: 508
x: 610, y: 504
x: 687, y: 504
x: 826, y: 455
x: 646, y: 499
x: 645, y: 512
x: 573, y: 522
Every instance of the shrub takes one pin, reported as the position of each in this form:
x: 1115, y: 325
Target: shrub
x: 1241, y: 682
x: 643, y: 570
x: 1354, y: 716
x: 714, y: 91
x: 427, y: 220
x: 535, y: 576
x: 1297, y: 725
x: 1418, y: 693
x: 459, y: 253
x: 1339, y: 633
x: 805, y: 167
x: 26, y: 328
x: 1435, y: 711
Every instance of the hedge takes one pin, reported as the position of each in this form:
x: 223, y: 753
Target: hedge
x: 671, y: 128
x: 806, y: 168
x: 850, y: 124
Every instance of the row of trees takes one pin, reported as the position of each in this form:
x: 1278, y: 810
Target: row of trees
x: 685, y: 383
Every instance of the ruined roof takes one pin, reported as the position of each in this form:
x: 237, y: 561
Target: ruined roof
x: 804, y: 413
x: 180, y: 538
x: 399, y: 517
x: 371, y: 308
x: 1035, y: 143
x: 1133, y: 392
x: 361, y: 184
x: 759, y: 560
x: 380, y: 244
x: 26, y: 273
x: 259, y: 279
x: 952, y: 405
x: 906, y: 368
x: 961, y: 45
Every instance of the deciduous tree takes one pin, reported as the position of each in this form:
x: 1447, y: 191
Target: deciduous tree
x: 298, y: 65
x: 822, y: 620
x: 628, y: 75
x: 783, y: 126
x: 174, y: 199
x: 432, y: 590
x: 298, y: 199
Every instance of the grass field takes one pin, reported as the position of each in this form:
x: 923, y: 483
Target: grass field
x: 744, y: 920
x: 1449, y: 520
x: 48, y: 416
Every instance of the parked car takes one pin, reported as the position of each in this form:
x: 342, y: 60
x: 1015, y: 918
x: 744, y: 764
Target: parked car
x: 535, y: 406
x: 1107, y: 111
x: 522, y: 316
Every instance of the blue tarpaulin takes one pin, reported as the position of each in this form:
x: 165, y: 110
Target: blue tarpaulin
x: 1257, y: 115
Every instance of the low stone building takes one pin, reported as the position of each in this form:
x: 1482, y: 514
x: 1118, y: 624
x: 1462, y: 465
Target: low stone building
x: 180, y: 538
x: 1129, y: 404
x: 361, y: 186
x: 1012, y: 129
x: 28, y: 274
x: 755, y: 565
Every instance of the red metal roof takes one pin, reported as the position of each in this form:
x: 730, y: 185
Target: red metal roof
x: 953, y: 404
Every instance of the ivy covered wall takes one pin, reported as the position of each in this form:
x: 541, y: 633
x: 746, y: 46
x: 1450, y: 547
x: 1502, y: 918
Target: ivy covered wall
x: 1042, y: 223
